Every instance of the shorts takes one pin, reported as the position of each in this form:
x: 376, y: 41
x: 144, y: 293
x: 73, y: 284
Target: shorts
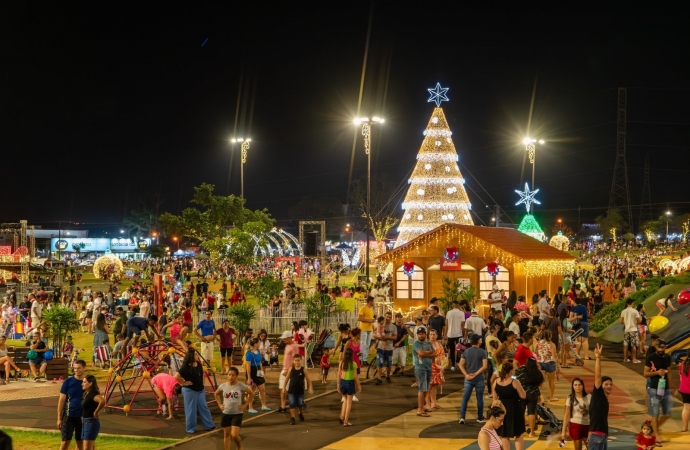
x: 38, y: 362
x: 686, y: 397
x: 257, y: 379
x: 578, y: 431
x: 296, y: 400
x: 281, y: 380
x: 423, y: 379
x: 585, y: 330
x: 659, y: 406
x: 347, y: 387
x: 71, y: 426
x: 231, y: 420
x: 384, y: 358
x: 324, y: 371
x: 132, y: 330
x: 642, y: 329
x: 531, y: 404
x: 548, y: 367
x: 400, y: 356
x: 630, y: 339
x: 567, y: 339
x: 90, y: 428
x: 226, y: 352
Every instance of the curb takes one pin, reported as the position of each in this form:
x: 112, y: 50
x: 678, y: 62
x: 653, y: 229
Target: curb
x: 41, y: 430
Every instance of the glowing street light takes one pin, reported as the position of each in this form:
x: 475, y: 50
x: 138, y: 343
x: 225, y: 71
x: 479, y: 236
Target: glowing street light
x: 178, y: 242
x: 668, y: 216
x: 366, y: 132
x: 244, y: 145
x: 531, y: 151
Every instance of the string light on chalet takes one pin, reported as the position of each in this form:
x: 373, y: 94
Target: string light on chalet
x: 436, y: 194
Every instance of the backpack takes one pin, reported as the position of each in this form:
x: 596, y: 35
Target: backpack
x: 329, y: 342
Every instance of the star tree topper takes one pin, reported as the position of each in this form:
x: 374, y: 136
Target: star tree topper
x: 527, y: 197
x: 438, y: 95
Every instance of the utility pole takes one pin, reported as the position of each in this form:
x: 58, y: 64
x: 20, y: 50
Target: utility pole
x: 497, y: 214
x: 620, y: 193
x: 646, y: 202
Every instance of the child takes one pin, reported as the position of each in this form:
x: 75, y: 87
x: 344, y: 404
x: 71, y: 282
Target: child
x: 296, y: 377
x: 274, y: 355
x: 325, y: 365
x: 68, y: 348
x: 646, y: 440
x: 119, y: 342
x: 232, y: 398
x: 379, y: 330
x: 348, y: 384
x: 82, y: 319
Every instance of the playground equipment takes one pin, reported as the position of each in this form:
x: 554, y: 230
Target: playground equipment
x: 657, y: 323
x: 684, y: 297
x: 129, y: 389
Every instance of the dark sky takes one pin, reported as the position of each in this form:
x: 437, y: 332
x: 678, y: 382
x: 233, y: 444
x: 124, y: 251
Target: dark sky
x: 102, y: 105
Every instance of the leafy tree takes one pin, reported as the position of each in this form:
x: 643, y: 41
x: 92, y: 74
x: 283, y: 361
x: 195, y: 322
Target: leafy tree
x: 627, y: 237
x: 156, y: 251
x: 564, y: 229
x: 454, y: 290
x: 651, y: 228
x: 318, y: 306
x: 612, y: 221
x: 382, y: 203
x: 264, y: 288
x: 143, y: 219
x: 241, y: 315
x: 221, y: 224
x: 61, y: 321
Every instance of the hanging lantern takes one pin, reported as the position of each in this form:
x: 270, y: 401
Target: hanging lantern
x: 408, y: 268
x: 451, y: 253
x: 492, y: 268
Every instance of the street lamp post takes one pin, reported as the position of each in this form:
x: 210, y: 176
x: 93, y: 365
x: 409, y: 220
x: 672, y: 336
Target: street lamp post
x: 244, y: 146
x: 668, y: 215
x: 560, y: 225
x: 532, y: 152
x: 366, y: 132
x: 178, y: 242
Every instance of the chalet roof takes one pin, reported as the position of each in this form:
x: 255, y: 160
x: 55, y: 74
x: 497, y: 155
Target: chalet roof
x: 511, y: 241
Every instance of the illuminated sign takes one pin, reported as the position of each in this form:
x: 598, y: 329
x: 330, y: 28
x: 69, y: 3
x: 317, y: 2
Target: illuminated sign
x: 84, y: 245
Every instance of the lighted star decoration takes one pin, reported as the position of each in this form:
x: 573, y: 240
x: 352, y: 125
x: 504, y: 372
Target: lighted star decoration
x: 438, y: 95
x: 527, y: 197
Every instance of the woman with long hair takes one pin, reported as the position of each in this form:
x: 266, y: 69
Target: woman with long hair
x: 510, y: 393
x: 92, y: 402
x: 666, y: 303
x: 355, y: 344
x: 512, y: 300
x: 254, y: 367
x: 348, y: 385
x: 531, y: 378
x: 488, y: 437
x: 264, y: 346
x: 437, y: 377
x: 567, y: 339
x: 576, y: 419
x: 7, y: 362
x: 547, y: 356
x: 100, y: 334
x: 191, y: 377
x: 684, y: 389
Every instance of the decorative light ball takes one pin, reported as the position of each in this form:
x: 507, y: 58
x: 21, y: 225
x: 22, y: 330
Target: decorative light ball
x: 146, y: 374
x: 135, y: 350
x: 657, y: 323
x: 110, y: 370
x: 205, y: 369
x: 420, y: 217
x: 171, y: 350
x: 118, y: 379
x: 420, y: 191
x: 214, y: 369
x: 427, y: 166
x: 438, y: 143
x: 434, y: 120
x: 444, y: 217
x: 126, y: 408
x: 447, y: 169
x: 684, y: 297
x: 451, y: 216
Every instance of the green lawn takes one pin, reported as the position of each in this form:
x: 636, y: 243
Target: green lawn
x: 30, y: 440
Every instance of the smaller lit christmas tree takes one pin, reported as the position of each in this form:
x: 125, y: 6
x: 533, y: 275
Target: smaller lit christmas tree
x: 529, y: 224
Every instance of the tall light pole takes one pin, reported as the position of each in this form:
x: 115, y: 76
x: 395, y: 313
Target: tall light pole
x: 244, y: 146
x: 352, y: 234
x: 178, y: 242
x: 668, y: 215
x: 366, y: 132
x: 560, y: 225
x: 532, y: 152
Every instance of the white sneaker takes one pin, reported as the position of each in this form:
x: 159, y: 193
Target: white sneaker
x: 165, y: 409
x: 355, y: 399
x: 453, y: 368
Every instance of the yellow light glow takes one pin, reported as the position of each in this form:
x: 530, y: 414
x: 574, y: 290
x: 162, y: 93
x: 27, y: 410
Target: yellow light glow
x: 548, y: 267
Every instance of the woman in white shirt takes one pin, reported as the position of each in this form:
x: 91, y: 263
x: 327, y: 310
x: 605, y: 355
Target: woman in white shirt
x: 576, y: 419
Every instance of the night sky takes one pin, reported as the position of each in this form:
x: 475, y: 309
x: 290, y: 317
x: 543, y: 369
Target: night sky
x: 100, y: 105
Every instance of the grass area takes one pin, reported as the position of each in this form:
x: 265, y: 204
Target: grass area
x: 32, y: 439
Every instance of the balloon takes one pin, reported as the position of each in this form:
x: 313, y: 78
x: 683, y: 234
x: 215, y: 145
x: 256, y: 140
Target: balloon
x: 32, y: 354
x: 48, y: 355
x: 684, y: 297
x: 657, y: 323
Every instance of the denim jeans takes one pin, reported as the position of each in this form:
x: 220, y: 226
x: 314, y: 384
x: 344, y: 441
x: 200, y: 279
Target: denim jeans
x: 195, y: 402
x: 365, y: 342
x: 597, y: 442
x: 478, y: 384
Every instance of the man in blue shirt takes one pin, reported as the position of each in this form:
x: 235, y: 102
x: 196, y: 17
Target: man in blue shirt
x: 69, y: 419
x: 136, y: 326
x: 207, y: 335
x: 422, y: 368
x: 473, y: 364
x: 581, y: 310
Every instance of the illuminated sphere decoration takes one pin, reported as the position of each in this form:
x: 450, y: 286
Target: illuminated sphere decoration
x: 436, y: 194
x: 560, y: 242
x: 108, y: 265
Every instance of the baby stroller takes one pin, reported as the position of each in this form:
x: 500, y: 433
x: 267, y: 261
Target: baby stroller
x: 325, y: 341
x: 573, y: 348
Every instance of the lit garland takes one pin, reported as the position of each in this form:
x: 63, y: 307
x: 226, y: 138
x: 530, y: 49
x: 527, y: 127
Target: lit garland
x: 530, y: 227
x: 436, y: 194
x: 550, y: 267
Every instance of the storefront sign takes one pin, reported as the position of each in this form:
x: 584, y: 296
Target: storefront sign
x: 85, y: 245
x: 447, y: 264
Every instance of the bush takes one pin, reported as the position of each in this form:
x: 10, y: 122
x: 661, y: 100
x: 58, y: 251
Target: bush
x: 61, y: 322
x: 612, y: 312
x: 240, y: 316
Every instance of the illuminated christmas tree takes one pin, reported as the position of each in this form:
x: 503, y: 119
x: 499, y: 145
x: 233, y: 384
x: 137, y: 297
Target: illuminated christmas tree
x: 529, y: 224
x: 436, y: 194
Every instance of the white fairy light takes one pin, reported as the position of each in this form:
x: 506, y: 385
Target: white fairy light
x: 420, y: 217
x: 427, y: 166
x: 420, y: 191
x: 432, y: 181
x: 434, y: 120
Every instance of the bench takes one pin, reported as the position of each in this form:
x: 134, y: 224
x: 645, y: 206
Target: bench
x: 57, y: 367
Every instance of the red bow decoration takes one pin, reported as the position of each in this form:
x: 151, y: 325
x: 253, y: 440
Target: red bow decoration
x: 492, y: 268
x: 451, y: 253
x: 408, y: 268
